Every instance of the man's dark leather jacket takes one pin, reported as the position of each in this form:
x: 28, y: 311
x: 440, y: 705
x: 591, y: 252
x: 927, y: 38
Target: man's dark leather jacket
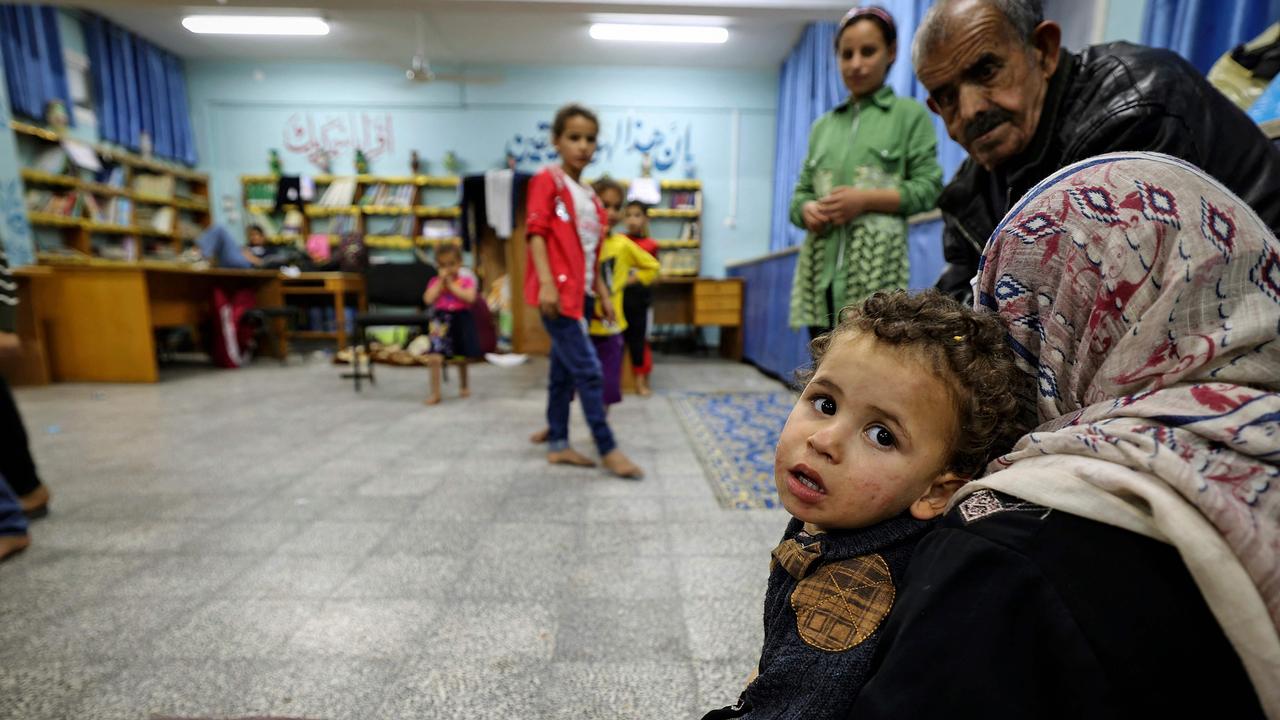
x: 1110, y: 98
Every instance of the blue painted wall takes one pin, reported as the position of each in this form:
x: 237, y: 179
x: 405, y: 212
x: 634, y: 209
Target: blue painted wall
x: 242, y: 110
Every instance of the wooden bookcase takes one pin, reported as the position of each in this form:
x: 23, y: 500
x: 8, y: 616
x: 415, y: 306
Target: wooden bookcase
x: 679, y: 256
x: 161, y: 224
x: 426, y: 202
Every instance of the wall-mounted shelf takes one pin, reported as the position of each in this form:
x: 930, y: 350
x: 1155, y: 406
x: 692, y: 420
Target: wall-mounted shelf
x: 402, y: 225
x: 116, y: 200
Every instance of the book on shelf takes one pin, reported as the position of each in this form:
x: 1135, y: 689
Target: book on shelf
x: 400, y: 195
x: 260, y: 194
x: 691, y: 230
x: 437, y: 229
x: 160, y: 186
x: 112, y: 176
x: 686, y: 200
x: 686, y: 261
x: 66, y: 204
x: 162, y: 220
x: 340, y: 193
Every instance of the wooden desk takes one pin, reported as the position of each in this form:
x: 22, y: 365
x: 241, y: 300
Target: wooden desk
x: 99, y: 317
x: 30, y: 366
x: 702, y: 302
x: 339, y: 285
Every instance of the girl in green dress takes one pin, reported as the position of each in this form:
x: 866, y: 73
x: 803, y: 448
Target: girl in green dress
x: 872, y: 161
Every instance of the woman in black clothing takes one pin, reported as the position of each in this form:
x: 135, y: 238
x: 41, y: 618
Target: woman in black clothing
x: 1122, y: 561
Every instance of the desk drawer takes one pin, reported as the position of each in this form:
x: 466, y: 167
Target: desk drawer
x: 728, y: 318
x: 703, y: 303
x: 717, y: 288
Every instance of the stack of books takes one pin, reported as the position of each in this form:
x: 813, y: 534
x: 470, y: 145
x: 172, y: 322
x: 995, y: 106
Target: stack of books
x: 340, y: 193
x: 157, y: 186
x: 438, y: 229
x: 686, y: 200
x: 66, y: 204
x: 388, y: 194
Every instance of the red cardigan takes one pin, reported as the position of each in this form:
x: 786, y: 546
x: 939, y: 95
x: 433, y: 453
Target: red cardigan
x: 551, y: 215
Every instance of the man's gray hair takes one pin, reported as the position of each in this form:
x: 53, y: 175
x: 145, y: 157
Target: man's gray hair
x: 1023, y: 17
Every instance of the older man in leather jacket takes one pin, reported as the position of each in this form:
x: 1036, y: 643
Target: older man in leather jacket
x: 1024, y: 107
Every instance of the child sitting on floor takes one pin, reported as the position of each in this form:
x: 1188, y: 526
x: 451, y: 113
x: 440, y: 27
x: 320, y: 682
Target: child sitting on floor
x: 908, y: 398
x: 449, y: 296
x: 638, y: 297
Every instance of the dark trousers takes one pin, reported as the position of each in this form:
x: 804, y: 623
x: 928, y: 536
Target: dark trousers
x: 636, y: 300
x: 574, y: 365
x: 16, y: 465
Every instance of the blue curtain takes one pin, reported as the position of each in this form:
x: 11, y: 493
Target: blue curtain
x: 767, y: 341
x: 139, y: 87
x: 810, y: 85
x: 1202, y: 30
x: 33, y: 65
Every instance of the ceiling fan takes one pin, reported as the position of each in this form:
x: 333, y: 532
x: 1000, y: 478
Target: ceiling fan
x: 419, y: 69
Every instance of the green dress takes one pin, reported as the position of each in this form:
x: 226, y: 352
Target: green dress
x: 880, y: 141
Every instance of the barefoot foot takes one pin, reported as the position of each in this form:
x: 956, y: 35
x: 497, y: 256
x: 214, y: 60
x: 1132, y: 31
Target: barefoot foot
x: 13, y: 544
x: 569, y: 456
x: 540, y: 437
x: 620, y: 465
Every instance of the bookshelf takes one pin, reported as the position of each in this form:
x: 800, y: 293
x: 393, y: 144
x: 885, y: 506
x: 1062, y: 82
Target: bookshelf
x: 133, y: 208
x: 393, y: 212
x: 679, y: 234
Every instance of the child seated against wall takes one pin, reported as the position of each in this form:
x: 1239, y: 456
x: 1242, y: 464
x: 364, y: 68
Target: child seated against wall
x: 908, y: 398
x: 452, y: 331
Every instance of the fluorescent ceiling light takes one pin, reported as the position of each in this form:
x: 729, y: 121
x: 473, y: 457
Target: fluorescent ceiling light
x: 255, y: 25
x: 659, y: 33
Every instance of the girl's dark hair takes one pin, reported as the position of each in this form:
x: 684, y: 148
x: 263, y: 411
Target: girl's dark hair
x: 447, y: 249
x: 605, y: 183
x: 878, y: 16
x: 572, y: 110
x: 637, y: 203
x: 968, y: 350
x: 253, y: 227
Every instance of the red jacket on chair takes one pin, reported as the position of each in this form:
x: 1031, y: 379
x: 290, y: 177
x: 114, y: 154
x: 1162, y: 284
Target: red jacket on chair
x: 551, y: 215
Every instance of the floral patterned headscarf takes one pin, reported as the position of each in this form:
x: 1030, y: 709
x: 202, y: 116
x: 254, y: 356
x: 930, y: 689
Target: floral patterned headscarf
x: 1145, y: 297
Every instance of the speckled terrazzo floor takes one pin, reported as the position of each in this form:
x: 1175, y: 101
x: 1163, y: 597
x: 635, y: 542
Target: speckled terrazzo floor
x: 266, y: 542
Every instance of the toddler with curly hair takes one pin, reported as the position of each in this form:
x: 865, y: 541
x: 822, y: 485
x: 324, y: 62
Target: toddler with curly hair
x: 909, y: 396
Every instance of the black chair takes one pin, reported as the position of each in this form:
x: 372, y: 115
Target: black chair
x: 264, y: 320
x: 394, y: 285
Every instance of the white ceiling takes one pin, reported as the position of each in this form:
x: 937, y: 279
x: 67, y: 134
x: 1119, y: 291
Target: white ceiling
x: 485, y: 32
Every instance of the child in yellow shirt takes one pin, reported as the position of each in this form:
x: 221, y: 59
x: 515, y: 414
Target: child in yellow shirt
x: 620, y: 259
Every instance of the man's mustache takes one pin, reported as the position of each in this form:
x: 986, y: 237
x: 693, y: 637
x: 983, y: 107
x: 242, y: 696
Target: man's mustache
x: 985, y: 123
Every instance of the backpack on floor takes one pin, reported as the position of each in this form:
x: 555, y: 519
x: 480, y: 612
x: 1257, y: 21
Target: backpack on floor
x: 232, y: 335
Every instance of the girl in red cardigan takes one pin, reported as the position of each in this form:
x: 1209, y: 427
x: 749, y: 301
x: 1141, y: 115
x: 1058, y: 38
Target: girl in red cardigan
x: 565, y: 225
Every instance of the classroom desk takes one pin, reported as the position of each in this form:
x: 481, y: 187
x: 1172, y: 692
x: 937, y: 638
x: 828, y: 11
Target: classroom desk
x: 702, y: 302
x: 339, y: 286
x: 99, y: 317
x: 30, y: 365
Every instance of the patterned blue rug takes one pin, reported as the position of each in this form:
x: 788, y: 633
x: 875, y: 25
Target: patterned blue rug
x: 735, y: 435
